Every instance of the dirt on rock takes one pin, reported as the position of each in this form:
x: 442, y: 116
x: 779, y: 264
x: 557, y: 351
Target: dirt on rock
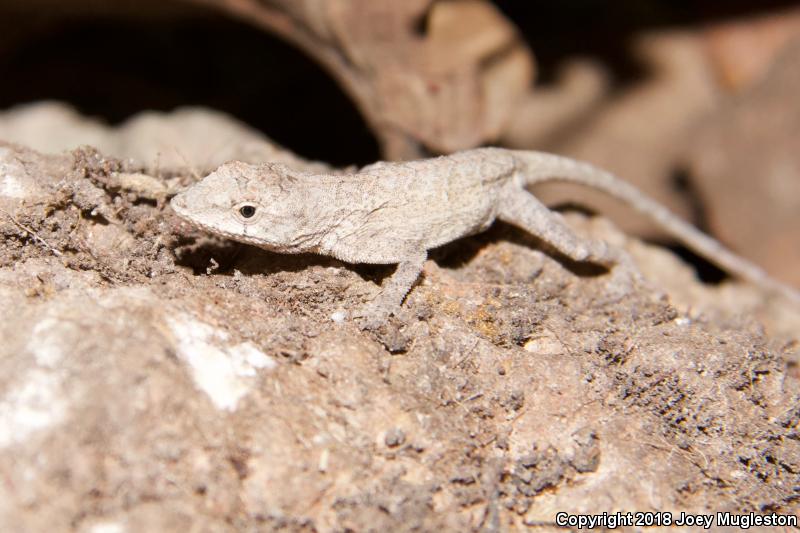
x: 153, y: 378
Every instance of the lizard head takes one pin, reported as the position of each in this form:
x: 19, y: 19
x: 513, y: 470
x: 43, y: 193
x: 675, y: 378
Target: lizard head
x: 255, y: 204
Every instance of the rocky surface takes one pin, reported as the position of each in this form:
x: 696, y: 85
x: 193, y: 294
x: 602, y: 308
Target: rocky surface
x: 156, y: 379
x: 188, y: 140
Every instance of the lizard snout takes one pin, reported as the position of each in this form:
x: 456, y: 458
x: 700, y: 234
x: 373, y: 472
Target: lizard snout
x: 178, y: 203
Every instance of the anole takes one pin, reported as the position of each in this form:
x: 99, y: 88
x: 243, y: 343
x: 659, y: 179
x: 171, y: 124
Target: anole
x: 389, y: 213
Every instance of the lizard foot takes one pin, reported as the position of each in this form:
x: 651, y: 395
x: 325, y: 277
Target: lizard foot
x: 371, y: 317
x: 390, y: 333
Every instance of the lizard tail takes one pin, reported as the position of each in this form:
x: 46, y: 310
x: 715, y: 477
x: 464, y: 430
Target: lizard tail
x: 538, y: 167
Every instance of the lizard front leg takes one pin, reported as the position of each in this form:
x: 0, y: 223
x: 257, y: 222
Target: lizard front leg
x: 393, y: 290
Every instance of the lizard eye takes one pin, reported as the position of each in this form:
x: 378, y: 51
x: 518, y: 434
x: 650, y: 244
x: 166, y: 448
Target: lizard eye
x: 246, y: 211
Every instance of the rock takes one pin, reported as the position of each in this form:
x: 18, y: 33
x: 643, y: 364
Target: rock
x: 187, y: 140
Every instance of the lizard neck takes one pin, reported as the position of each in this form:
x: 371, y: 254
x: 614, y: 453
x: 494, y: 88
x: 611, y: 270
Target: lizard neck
x: 336, y: 208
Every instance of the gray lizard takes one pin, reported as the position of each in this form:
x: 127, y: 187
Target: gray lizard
x: 389, y: 213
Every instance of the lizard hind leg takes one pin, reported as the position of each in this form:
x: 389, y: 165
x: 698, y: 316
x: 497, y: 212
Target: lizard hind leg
x: 522, y: 209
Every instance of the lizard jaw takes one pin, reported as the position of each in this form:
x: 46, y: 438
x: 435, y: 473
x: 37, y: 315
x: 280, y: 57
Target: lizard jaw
x: 179, y: 206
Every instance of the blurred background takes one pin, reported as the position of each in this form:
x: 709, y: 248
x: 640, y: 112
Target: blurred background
x: 694, y: 102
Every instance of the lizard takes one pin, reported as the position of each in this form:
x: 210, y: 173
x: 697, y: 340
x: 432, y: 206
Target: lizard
x: 394, y: 212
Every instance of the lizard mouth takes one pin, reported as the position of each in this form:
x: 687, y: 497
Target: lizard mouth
x: 178, y: 204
